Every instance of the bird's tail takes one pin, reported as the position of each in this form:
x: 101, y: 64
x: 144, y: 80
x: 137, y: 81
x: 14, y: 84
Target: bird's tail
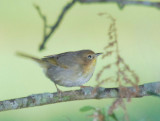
x: 30, y: 57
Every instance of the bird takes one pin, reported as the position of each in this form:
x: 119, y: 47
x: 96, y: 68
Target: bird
x: 68, y: 69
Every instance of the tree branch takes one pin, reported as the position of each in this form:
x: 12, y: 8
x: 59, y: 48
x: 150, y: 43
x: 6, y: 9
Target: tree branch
x: 82, y: 94
x: 54, y: 27
x: 122, y: 3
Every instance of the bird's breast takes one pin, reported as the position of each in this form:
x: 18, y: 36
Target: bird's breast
x: 75, y: 75
x: 89, y: 67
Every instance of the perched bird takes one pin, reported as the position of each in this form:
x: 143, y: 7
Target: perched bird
x: 69, y: 69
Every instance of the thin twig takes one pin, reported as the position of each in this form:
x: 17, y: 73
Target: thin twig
x: 43, y: 17
x: 121, y: 4
x: 54, y: 27
x: 82, y: 94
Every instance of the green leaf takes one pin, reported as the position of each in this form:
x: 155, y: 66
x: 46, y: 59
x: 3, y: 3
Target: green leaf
x: 153, y: 94
x: 103, y: 111
x: 113, y: 116
x: 87, y: 108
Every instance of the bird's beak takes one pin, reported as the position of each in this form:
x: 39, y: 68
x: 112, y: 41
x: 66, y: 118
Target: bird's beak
x: 97, y: 54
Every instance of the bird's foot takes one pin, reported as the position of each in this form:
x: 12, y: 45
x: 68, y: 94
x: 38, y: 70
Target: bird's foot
x: 84, y: 87
x: 59, y: 91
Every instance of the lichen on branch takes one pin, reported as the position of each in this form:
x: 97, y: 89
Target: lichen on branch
x: 81, y: 94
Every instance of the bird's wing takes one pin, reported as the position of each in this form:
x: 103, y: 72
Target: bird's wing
x: 61, y: 60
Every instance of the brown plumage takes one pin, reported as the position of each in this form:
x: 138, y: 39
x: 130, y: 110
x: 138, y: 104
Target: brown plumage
x: 68, y: 69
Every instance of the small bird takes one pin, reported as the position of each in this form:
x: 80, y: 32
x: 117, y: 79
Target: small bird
x: 69, y: 69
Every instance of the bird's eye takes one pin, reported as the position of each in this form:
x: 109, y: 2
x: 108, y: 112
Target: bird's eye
x: 89, y: 56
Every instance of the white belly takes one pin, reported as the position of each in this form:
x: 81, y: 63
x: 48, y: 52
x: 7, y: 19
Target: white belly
x: 76, y: 82
x: 67, y: 77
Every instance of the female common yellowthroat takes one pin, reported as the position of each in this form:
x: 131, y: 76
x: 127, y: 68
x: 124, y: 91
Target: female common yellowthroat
x: 68, y: 69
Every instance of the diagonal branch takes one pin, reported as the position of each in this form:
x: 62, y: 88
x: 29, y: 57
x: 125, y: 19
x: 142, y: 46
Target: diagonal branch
x: 54, y: 27
x: 82, y: 94
x: 43, y: 17
x: 121, y: 4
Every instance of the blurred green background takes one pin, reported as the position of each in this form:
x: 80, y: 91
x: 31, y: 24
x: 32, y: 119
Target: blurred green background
x: 21, y: 30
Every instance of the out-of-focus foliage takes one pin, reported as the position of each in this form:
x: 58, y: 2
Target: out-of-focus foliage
x: 99, y: 114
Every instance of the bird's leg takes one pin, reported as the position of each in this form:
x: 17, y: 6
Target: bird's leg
x: 83, y: 86
x: 58, y: 90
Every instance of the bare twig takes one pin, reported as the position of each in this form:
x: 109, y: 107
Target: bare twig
x: 43, y: 17
x: 54, y: 27
x: 121, y: 4
x: 82, y: 94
